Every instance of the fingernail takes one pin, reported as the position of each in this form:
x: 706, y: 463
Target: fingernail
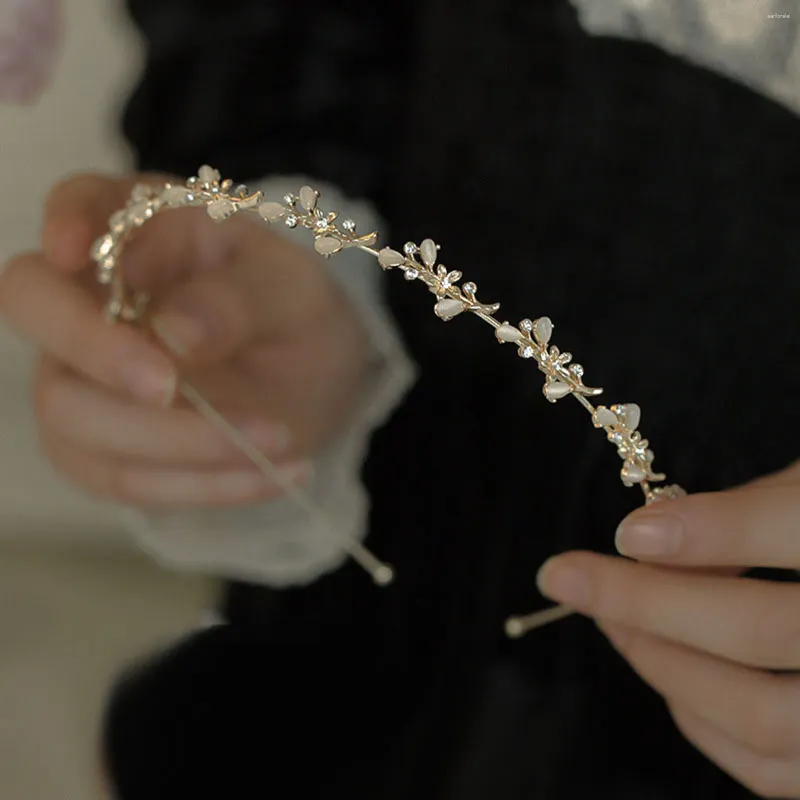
x: 563, y: 583
x: 151, y: 382
x: 180, y: 332
x: 644, y: 536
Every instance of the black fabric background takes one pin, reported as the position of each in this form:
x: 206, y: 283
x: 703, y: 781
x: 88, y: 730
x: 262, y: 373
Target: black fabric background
x: 649, y: 208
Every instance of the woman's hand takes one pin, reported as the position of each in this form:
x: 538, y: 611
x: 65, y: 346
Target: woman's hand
x: 707, y: 640
x: 259, y: 325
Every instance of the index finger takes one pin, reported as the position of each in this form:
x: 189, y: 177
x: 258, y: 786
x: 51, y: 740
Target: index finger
x: 47, y: 308
x: 756, y: 526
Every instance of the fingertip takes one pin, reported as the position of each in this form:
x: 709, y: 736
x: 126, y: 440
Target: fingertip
x: 67, y: 240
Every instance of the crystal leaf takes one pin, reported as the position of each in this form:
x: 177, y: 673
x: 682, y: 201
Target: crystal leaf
x: 556, y: 390
x: 543, y: 330
x: 174, y: 196
x: 508, y: 333
x: 327, y: 245
x: 308, y: 198
x: 271, y: 212
x: 208, y: 174
x: 631, y: 473
x: 221, y: 209
x: 604, y: 417
x: 428, y: 252
x: 633, y: 416
x: 447, y: 309
x: 389, y: 258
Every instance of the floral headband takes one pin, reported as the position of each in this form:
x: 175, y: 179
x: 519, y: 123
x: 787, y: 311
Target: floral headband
x: 417, y: 263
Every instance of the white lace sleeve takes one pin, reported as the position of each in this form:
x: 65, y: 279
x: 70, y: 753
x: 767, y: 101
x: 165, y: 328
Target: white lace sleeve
x: 275, y: 543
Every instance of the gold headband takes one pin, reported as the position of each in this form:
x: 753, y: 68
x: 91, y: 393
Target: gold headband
x: 417, y: 263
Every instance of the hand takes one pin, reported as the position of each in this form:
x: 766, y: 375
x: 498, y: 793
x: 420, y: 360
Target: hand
x: 701, y: 636
x: 260, y: 324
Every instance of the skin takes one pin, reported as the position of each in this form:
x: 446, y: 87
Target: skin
x: 257, y: 323
x: 721, y: 649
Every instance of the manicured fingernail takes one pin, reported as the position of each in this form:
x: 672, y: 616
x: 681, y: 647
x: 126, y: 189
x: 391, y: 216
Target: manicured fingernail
x: 563, y: 583
x: 649, y: 535
x: 180, y: 332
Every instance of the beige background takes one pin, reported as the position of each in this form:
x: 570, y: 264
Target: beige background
x: 76, y: 601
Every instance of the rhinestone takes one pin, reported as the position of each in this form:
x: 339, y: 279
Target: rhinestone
x: 576, y: 369
x: 349, y: 225
x: 291, y: 221
x: 527, y: 352
x: 289, y: 199
x: 191, y: 182
x: 190, y: 198
x: 412, y: 274
x: 617, y: 438
x: 470, y: 288
x: 410, y: 249
x: 240, y: 191
x: 321, y: 223
x: 526, y: 325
